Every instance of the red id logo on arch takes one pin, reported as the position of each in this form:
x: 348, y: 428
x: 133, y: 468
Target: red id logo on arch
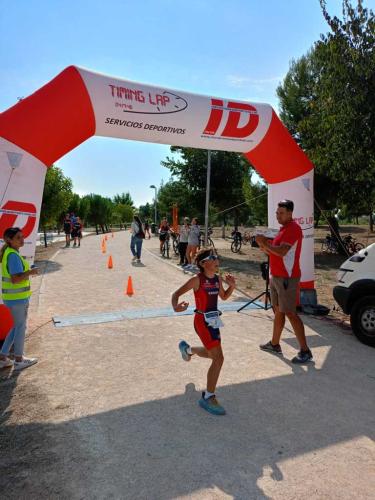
x: 11, y: 210
x: 232, y: 128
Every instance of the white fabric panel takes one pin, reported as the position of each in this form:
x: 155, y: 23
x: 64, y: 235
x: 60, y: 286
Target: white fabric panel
x: 301, y: 191
x: 132, y: 110
x: 21, y: 190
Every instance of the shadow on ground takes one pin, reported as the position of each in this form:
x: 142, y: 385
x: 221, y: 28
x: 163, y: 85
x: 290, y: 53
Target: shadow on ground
x: 168, y: 448
x: 47, y: 266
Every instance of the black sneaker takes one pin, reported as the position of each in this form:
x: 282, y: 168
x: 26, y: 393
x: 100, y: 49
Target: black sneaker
x: 269, y: 347
x: 303, y: 357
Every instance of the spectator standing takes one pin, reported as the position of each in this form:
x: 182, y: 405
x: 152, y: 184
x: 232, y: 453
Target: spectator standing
x: 183, y: 242
x: 147, y: 229
x: 67, y: 229
x: 284, y: 253
x: 137, y: 238
x: 16, y: 294
x: 193, y: 241
x: 77, y: 232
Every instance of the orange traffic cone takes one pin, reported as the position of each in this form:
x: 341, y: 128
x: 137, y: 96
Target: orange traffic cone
x: 129, y: 288
x: 110, y: 262
x: 104, y: 247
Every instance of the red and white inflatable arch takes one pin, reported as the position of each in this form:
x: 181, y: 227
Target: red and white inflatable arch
x: 78, y: 104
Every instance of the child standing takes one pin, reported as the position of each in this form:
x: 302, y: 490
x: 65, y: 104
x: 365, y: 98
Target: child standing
x: 207, y: 286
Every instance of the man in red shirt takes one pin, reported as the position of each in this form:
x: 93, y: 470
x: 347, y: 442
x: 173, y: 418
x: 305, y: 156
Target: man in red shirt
x: 284, y: 252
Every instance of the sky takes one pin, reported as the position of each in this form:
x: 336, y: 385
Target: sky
x: 239, y: 49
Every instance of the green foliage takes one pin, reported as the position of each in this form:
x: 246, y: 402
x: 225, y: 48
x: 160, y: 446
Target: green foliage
x: 122, y: 213
x: 327, y: 101
x: 123, y: 199
x: 146, y: 212
x: 228, y: 171
x: 57, y: 195
x: 256, y: 201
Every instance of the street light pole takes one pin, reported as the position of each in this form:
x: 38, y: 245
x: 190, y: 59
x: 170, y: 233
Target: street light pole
x: 156, y: 194
x: 207, y: 197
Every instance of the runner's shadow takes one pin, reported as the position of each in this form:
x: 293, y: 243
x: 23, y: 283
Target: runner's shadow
x: 169, y: 448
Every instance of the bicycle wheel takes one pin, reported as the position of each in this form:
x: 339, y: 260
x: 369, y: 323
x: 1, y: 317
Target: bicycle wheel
x: 358, y: 247
x: 175, y: 246
x: 235, y: 246
x: 167, y: 248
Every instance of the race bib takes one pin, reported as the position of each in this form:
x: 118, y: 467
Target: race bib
x: 212, y: 318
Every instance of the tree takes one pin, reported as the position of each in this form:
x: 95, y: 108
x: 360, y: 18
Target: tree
x: 57, y: 194
x: 100, y: 213
x: 256, y: 200
x: 327, y: 101
x: 227, y: 173
x: 146, y: 212
x: 122, y: 213
x: 172, y: 193
x: 124, y: 199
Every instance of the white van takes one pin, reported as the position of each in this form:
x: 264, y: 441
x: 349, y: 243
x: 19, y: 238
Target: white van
x: 355, y: 293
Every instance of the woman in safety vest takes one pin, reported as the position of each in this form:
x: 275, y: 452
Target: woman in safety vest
x: 15, y: 285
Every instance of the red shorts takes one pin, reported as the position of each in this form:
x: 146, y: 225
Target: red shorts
x: 209, y: 336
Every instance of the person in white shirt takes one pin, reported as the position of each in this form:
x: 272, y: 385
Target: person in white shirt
x: 183, y: 242
x: 193, y: 241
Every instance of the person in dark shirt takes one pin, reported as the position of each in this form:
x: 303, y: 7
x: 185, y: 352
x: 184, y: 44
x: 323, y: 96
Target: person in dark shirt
x: 67, y: 229
x: 77, y: 232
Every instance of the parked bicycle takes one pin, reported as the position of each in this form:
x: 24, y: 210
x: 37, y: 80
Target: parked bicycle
x: 240, y: 239
x: 350, y: 244
x: 175, y: 241
x: 210, y: 243
x: 165, y: 247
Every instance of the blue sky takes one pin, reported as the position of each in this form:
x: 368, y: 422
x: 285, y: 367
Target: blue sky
x: 237, y: 49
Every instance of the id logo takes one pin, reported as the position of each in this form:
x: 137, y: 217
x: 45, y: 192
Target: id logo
x: 13, y: 209
x: 232, y: 127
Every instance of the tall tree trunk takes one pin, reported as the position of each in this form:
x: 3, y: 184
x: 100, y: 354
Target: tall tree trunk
x: 96, y: 229
x: 371, y: 222
x: 45, y: 237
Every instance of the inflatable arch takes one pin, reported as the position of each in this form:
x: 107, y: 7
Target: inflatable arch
x: 78, y: 104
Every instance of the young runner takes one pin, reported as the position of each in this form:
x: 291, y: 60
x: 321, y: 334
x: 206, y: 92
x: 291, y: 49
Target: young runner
x: 207, y: 286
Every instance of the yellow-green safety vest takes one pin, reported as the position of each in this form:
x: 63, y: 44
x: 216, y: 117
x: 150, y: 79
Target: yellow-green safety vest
x: 14, y: 291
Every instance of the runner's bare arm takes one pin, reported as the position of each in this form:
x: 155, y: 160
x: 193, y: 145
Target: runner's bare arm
x: 225, y: 294
x: 192, y: 284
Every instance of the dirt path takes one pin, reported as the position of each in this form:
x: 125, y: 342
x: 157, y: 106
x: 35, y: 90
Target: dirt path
x: 110, y: 411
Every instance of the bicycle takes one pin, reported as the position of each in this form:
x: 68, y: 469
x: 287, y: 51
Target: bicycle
x: 352, y: 245
x: 237, y: 242
x: 175, y: 242
x: 165, y: 248
x: 210, y: 243
x: 330, y: 245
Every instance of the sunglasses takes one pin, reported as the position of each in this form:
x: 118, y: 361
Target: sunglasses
x: 210, y: 257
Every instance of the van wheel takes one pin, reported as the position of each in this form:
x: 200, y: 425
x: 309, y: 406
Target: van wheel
x: 362, y: 319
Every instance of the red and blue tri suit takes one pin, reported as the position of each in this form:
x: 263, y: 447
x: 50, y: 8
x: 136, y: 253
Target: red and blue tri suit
x: 205, y: 301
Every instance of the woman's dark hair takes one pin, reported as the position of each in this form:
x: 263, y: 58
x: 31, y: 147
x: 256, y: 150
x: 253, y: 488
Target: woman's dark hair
x: 288, y: 204
x: 138, y: 221
x: 9, y: 234
x: 202, y: 254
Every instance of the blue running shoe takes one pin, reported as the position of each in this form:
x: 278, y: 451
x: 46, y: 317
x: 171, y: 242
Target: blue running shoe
x: 183, y: 346
x: 211, y: 405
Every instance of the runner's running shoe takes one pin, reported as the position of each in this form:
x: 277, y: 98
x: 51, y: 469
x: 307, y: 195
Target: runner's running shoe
x: 211, y: 405
x: 183, y: 346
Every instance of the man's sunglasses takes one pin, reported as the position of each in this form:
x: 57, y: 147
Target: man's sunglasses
x: 210, y: 257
